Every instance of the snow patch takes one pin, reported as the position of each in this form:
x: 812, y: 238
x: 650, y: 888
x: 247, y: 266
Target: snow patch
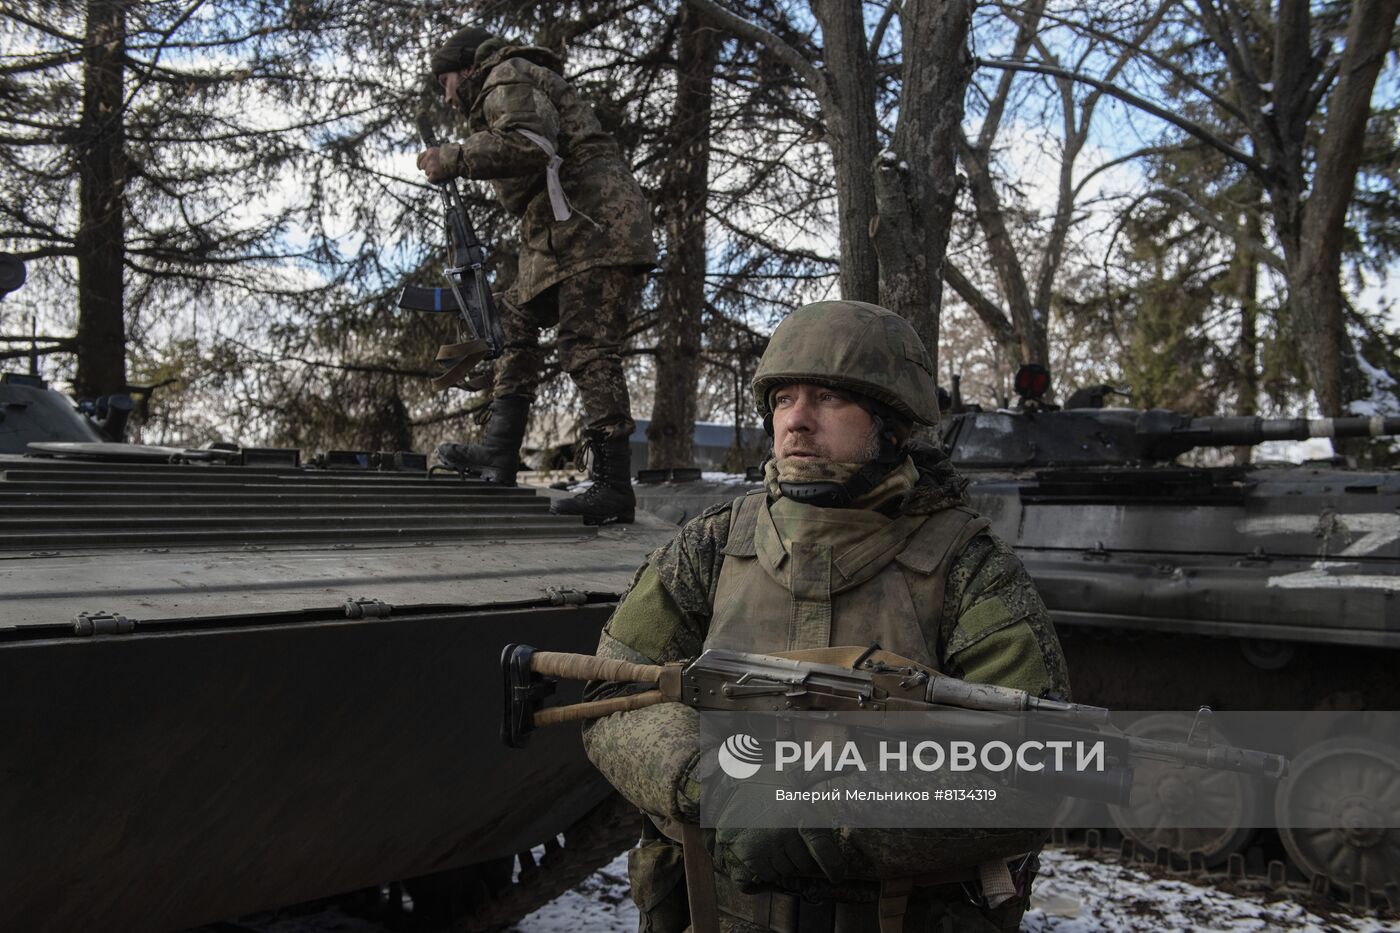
x: 602, y: 904
x: 1381, y: 398
x: 727, y: 479
x: 1072, y: 895
x: 1114, y: 897
x: 1314, y: 448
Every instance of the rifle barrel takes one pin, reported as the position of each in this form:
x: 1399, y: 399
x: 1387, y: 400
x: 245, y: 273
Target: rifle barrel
x: 1223, y: 757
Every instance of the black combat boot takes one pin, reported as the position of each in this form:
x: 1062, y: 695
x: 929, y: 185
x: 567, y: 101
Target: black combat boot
x: 496, y: 457
x: 610, y: 498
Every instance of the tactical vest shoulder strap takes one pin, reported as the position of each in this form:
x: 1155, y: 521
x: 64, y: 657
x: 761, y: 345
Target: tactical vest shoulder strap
x: 941, y: 538
x: 926, y: 561
x: 743, y: 521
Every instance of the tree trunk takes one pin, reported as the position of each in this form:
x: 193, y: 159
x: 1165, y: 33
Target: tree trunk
x: 100, y: 241
x: 1248, y: 386
x: 682, y: 302
x: 1310, y: 219
x: 851, y: 128
x: 1320, y: 314
x: 1032, y: 345
x: 916, y: 183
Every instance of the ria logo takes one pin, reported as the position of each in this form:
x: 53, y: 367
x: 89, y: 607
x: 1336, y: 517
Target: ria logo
x: 740, y: 756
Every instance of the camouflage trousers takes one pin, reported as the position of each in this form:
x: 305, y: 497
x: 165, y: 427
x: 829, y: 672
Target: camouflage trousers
x: 657, y: 873
x: 592, y: 310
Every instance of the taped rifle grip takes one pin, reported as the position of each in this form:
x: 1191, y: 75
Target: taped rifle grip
x: 587, y: 667
x: 593, y: 709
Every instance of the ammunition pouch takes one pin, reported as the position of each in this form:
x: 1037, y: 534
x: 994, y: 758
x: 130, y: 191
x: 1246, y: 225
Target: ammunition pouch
x: 656, y: 869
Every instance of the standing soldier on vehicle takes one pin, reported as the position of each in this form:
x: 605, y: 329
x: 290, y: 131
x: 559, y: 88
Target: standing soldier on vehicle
x: 585, y: 242
x: 859, y: 536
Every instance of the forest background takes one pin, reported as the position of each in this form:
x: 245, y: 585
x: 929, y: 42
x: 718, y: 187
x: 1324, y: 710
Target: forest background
x: 1195, y: 199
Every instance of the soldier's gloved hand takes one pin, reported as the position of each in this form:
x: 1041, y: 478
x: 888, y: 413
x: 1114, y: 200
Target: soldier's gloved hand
x: 431, y: 162
x: 744, y: 852
x: 777, y: 856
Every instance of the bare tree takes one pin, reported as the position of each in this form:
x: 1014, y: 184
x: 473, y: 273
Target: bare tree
x: 895, y: 201
x: 1025, y: 269
x: 1299, y: 92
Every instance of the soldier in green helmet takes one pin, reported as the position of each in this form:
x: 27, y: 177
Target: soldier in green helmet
x: 840, y: 388
x: 585, y: 242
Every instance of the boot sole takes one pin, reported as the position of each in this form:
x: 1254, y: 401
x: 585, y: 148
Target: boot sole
x: 495, y: 477
x: 498, y: 476
x: 622, y: 518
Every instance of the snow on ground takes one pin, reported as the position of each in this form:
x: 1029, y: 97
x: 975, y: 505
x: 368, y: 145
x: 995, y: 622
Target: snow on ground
x: 1072, y: 895
x: 728, y: 479
x: 1078, y: 895
x: 602, y: 904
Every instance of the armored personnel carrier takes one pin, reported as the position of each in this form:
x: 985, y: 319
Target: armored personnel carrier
x: 232, y: 681
x: 1261, y: 587
x: 1257, y: 587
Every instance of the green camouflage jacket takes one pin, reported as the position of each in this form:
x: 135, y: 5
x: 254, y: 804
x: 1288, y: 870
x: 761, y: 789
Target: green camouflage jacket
x: 995, y: 629
x: 520, y: 111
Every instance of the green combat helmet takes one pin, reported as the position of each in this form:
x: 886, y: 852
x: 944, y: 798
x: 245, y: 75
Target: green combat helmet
x: 460, y: 50
x: 863, y: 349
x: 851, y: 345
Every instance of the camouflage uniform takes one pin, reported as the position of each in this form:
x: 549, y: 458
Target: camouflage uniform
x: 583, y: 245
x: 991, y: 627
x: 768, y: 573
x: 591, y: 310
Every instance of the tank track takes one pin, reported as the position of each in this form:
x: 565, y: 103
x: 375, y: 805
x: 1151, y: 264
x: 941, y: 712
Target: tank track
x: 1239, y: 873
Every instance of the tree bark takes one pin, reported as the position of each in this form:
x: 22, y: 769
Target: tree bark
x: 100, y: 240
x: 851, y: 127
x: 1317, y: 306
x: 1247, y: 267
x: 1310, y: 217
x: 1006, y: 263
x: 672, y: 428
x: 916, y: 181
x: 894, y: 207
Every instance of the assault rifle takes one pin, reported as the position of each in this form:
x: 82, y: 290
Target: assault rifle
x: 840, y: 679
x: 468, y: 293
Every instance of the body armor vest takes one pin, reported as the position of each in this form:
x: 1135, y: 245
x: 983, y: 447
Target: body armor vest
x: 885, y: 585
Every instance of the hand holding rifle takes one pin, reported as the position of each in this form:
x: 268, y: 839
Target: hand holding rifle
x: 864, y: 680
x: 468, y: 294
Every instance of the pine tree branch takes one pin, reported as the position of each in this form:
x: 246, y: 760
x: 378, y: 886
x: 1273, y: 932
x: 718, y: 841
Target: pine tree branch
x: 1240, y: 237
x: 40, y: 26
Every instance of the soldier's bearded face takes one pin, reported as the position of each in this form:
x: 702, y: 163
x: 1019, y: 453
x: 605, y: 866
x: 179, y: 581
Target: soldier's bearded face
x: 450, y: 83
x: 812, y: 421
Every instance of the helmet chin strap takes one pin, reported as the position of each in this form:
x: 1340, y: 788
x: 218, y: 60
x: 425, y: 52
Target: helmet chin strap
x: 829, y: 494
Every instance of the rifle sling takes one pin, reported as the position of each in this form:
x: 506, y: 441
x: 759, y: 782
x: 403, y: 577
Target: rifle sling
x: 700, y: 880
x: 459, y: 358
x: 558, y: 201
